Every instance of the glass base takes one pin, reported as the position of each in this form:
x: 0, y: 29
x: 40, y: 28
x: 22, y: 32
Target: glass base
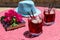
x: 31, y: 35
x: 48, y: 24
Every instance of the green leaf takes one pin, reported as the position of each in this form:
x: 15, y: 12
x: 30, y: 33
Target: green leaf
x: 14, y: 24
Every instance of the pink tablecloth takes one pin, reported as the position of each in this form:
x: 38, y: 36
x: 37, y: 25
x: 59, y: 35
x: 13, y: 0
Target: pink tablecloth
x: 49, y: 32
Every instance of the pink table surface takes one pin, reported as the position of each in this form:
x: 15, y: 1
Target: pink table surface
x: 49, y: 32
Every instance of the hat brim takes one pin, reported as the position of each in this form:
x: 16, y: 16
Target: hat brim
x: 37, y: 12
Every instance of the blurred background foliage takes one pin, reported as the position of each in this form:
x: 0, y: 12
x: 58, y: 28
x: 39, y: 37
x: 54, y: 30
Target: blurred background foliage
x: 45, y: 3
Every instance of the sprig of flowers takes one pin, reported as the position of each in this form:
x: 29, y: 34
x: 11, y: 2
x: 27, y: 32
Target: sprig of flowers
x: 10, y: 14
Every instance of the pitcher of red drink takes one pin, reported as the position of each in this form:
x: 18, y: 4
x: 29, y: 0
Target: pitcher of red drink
x: 35, y: 25
x: 49, y: 16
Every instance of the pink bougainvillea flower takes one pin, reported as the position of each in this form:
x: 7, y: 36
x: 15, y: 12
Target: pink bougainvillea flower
x: 12, y: 13
x: 8, y: 19
x: 6, y: 14
x: 19, y: 17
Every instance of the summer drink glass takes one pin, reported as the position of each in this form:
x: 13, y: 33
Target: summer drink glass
x: 35, y: 26
x: 49, y: 16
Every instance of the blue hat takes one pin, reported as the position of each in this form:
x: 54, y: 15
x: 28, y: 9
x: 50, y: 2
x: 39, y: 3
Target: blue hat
x: 26, y: 6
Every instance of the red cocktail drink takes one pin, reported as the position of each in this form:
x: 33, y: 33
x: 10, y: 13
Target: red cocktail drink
x: 35, y: 26
x: 49, y: 17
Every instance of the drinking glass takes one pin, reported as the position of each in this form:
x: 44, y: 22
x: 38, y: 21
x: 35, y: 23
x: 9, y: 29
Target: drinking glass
x: 49, y: 16
x: 35, y: 27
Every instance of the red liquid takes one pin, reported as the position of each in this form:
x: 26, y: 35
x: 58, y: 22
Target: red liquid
x: 49, y: 17
x: 34, y: 27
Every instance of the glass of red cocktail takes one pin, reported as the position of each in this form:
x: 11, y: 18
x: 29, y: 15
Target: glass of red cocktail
x: 49, y: 16
x: 35, y: 27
